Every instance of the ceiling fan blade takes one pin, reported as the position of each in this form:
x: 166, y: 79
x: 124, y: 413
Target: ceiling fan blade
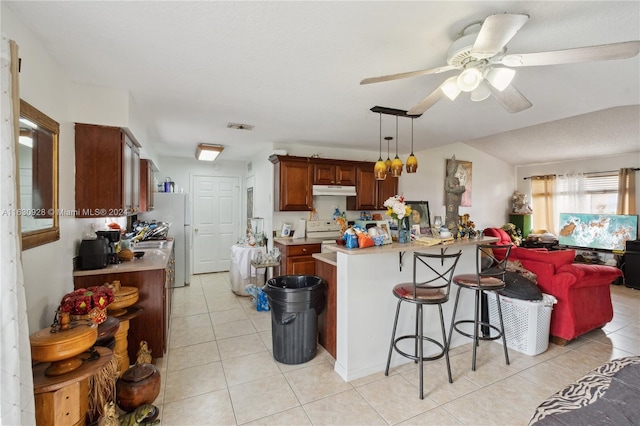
x: 427, y: 102
x: 407, y: 74
x: 511, y: 99
x: 603, y: 52
x: 495, y: 33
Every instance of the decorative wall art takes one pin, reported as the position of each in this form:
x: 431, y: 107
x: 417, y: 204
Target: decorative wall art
x: 249, y: 202
x: 465, y: 177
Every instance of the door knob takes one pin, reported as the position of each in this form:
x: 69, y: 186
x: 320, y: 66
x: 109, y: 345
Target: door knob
x: 196, y: 230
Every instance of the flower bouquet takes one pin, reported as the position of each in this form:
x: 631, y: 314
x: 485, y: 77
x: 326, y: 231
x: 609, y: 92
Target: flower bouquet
x: 87, y: 303
x: 398, y: 210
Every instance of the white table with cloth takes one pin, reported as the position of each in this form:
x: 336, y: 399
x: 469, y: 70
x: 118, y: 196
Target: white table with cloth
x: 241, y: 271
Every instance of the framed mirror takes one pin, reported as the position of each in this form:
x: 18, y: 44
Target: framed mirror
x: 38, y: 167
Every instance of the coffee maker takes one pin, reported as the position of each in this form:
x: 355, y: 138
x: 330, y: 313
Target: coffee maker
x: 112, y: 237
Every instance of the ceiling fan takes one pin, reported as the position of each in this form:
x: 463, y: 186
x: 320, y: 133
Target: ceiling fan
x: 487, y: 70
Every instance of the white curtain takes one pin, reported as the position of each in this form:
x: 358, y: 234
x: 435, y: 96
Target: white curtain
x: 570, y: 194
x: 16, y: 380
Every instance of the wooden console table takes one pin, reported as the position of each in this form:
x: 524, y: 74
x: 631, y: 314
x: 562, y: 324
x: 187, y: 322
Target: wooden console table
x: 64, y: 400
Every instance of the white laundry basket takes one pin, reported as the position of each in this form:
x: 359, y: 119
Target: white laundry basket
x: 526, y: 322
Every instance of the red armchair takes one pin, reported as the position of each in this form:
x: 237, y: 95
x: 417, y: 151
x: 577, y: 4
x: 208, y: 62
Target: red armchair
x: 582, y: 291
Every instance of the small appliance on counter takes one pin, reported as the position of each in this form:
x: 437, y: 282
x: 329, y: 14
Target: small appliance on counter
x: 112, y: 238
x: 93, y: 254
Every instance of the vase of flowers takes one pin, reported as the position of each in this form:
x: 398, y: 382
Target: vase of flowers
x: 399, y: 211
x: 87, y: 303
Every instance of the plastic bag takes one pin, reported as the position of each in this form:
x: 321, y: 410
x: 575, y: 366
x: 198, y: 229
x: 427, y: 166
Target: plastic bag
x: 365, y: 240
x: 351, y: 240
x: 258, y: 297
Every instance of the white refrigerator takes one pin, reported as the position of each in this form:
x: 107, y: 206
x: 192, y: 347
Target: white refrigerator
x: 175, y: 208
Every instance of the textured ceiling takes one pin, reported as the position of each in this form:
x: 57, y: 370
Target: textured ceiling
x: 292, y: 69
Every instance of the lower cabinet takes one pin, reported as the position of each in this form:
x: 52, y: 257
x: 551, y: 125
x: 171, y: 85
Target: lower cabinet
x: 152, y: 324
x: 298, y: 259
x: 327, y: 320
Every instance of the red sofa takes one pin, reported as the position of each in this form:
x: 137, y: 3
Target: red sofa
x: 583, y: 291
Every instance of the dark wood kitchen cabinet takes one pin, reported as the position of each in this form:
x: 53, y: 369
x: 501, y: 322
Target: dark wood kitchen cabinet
x: 152, y: 324
x: 327, y: 322
x: 292, y: 189
x: 297, y: 258
x: 107, y: 171
x: 371, y: 193
x: 334, y: 174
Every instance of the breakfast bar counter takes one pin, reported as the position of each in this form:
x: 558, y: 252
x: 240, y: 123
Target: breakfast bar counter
x: 365, y: 306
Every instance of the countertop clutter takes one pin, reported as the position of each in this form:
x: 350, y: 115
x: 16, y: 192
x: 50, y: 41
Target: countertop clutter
x: 156, y: 255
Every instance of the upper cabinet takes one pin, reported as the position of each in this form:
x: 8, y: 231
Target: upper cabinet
x: 292, y: 190
x: 334, y: 174
x: 371, y: 193
x: 107, y: 172
x: 147, y: 187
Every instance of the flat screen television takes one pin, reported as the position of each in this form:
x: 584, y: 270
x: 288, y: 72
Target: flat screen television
x: 597, y: 231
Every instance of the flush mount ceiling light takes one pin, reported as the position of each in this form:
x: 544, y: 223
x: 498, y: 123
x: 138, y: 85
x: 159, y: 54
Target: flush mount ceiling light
x: 206, y: 152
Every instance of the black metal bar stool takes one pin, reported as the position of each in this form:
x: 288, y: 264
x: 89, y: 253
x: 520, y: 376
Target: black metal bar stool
x: 434, y: 290
x: 489, y: 277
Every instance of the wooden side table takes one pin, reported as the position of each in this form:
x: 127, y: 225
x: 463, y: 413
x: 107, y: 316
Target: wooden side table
x: 64, y: 400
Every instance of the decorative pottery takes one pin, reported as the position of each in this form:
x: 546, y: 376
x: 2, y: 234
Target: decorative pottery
x: 60, y: 348
x: 140, y: 384
x: 107, y: 330
x: 123, y: 298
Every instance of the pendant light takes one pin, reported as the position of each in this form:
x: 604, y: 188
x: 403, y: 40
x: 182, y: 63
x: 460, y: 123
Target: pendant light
x: 388, y: 161
x: 396, y: 164
x: 412, y: 161
x: 380, y: 168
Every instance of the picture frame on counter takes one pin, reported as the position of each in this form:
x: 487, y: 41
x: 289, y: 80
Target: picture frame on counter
x: 383, y: 225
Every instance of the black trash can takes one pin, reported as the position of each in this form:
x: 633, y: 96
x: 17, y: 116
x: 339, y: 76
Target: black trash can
x: 296, y: 301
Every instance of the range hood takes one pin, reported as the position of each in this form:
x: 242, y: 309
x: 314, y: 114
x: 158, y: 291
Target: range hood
x: 344, y: 191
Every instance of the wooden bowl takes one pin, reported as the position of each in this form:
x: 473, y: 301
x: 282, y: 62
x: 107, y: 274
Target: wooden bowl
x: 123, y: 298
x: 62, y: 347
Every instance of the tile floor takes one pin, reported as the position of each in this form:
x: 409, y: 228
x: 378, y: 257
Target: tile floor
x: 219, y: 370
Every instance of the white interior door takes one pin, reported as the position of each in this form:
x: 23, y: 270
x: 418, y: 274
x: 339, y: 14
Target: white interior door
x: 216, y: 222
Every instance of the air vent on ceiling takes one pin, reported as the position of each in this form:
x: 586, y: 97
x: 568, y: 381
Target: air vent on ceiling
x: 239, y: 126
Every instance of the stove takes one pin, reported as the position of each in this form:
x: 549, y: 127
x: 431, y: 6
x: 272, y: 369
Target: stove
x: 326, y: 230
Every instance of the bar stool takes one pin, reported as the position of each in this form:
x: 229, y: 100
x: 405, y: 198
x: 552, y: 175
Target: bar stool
x: 432, y: 291
x: 486, y: 279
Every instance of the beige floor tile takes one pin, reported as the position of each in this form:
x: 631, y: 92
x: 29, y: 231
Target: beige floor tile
x: 577, y: 361
x: 316, y: 381
x: 213, y: 408
x: 372, y: 378
x: 292, y: 417
x: 346, y: 408
x: 193, y: 381
x: 321, y: 357
x: 191, y: 336
x: 622, y: 342
x: 183, y: 309
x: 234, y: 329
x: 437, y: 416
x: 604, y: 350
x: 191, y: 321
x: 239, y: 346
x: 193, y: 355
x: 511, y: 401
x: 217, y: 304
x: 261, y: 398
x: 488, y: 369
x: 393, y: 399
x: 251, y: 367
x: 231, y: 315
x: 436, y: 382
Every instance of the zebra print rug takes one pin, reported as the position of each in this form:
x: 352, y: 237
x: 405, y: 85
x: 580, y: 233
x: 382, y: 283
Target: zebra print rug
x: 608, y: 395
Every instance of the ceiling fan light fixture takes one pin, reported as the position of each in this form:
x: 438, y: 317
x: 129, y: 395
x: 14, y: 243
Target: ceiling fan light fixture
x: 450, y: 88
x: 206, y: 152
x: 481, y: 93
x: 500, y: 78
x: 469, y: 79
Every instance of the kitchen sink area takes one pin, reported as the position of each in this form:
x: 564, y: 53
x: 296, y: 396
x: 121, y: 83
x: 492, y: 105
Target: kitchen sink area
x: 151, y: 244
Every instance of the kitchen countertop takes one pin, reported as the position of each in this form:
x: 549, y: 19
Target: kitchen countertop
x: 330, y: 258
x: 297, y: 241
x: 154, y: 258
x: 413, y: 246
